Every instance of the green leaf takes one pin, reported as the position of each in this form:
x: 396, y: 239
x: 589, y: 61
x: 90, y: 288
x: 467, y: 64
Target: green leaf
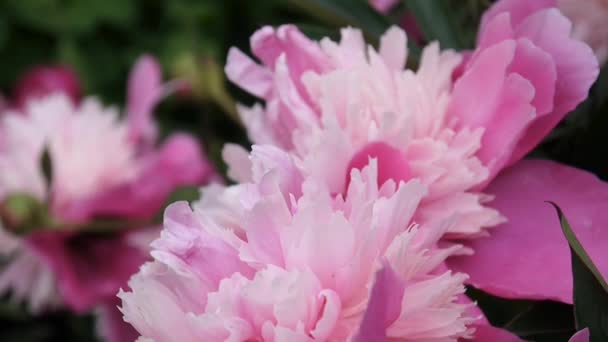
x: 590, y: 288
x: 436, y: 22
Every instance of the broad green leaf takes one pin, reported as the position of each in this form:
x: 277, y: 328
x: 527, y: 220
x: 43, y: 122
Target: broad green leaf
x: 590, y: 288
x: 436, y: 21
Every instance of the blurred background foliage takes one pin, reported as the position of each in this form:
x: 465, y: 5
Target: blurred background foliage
x: 100, y: 39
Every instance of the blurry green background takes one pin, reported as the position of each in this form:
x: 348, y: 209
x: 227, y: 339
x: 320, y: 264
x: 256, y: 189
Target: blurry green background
x: 100, y: 39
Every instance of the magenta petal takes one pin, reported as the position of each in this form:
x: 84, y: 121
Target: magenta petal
x: 111, y: 325
x: 41, y: 81
x: 89, y: 269
x: 528, y: 257
x: 384, y: 305
x: 487, y: 333
x: 144, y: 92
x: 180, y: 162
x: 580, y: 336
x: 391, y: 162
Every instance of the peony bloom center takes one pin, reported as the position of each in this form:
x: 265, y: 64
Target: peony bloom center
x: 391, y: 162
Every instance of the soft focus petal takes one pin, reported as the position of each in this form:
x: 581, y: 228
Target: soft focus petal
x: 89, y: 269
x: 589, y: 21
x: 179, y: 162
x: 383, y: 6
x: 110, y: 324
x: 580, y: 336
x: 523, y: 257
x: 145, y: 89
x: 42, y: 81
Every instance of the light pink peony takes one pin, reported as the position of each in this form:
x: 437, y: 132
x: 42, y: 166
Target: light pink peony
x: 589, y: 19
x: 333, y: 105
x: 102, y: 166
x: 282, y: 258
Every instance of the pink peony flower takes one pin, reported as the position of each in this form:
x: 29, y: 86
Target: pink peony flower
x: 42, y: 81
x: 101, y: 167
x: 297, y: 262
x: 589, y: 23
x: 336, y: 104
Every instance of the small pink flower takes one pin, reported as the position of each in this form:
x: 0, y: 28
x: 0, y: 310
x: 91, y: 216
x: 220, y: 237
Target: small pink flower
x: 297, y: 262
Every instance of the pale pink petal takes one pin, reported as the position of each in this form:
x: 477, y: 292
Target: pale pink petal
x: 580, y: 336
x: 248, y: 75
x: 384, y: 305
x: 528, y: 256
x: 144, y: 92
x: 393, y: 48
